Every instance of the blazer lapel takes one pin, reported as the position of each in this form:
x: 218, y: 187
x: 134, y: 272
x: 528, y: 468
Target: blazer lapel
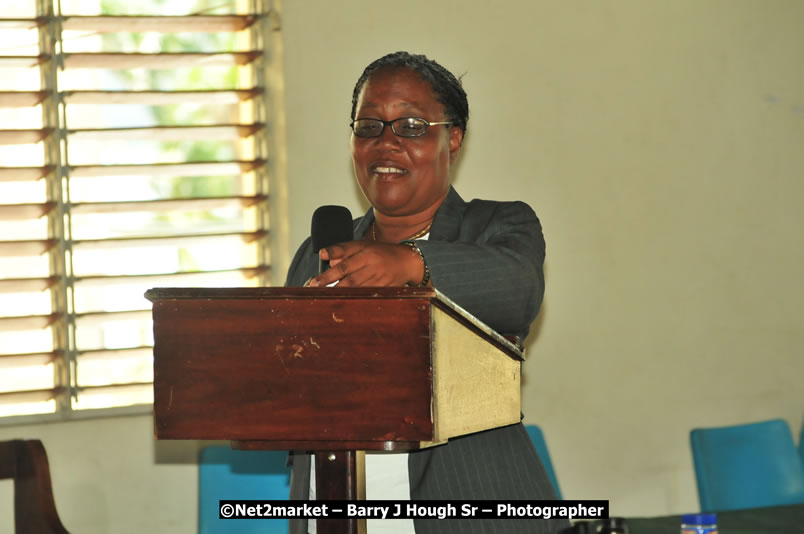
x: 447, y: 222
x: 363, y: 224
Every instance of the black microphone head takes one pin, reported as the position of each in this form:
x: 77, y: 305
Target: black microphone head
x: 331, y: 225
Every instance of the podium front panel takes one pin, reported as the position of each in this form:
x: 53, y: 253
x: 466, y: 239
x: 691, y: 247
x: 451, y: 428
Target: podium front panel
x: 293, y: 369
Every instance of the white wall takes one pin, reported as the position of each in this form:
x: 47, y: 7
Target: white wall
x: 660, y: 143
x: 111, y: 477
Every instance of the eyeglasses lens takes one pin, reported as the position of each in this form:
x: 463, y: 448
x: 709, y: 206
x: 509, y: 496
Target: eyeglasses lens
x: 405, y: 127
x: 409, y: 127
x: 367, y: 127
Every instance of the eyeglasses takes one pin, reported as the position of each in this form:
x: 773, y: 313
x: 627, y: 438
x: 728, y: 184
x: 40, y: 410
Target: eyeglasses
x: 404, y: 127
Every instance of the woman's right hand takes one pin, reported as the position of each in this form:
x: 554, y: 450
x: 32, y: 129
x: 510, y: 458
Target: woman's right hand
x: 370, y: 264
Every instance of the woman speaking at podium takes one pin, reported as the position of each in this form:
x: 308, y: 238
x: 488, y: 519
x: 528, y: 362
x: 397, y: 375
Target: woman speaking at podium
x: 409, y: 118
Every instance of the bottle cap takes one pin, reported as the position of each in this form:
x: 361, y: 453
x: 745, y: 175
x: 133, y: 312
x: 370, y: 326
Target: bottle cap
x: 699, y: 519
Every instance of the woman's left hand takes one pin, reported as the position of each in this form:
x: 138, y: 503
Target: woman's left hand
x: 368, y: 263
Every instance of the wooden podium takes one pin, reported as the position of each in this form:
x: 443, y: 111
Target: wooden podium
x: 327, y: 370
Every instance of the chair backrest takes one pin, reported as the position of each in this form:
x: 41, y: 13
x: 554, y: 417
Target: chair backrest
x: 226, y: 474
x: 25, y: 461
x: 537, y: 437
x: 801, y: 443
x: 747, y: 466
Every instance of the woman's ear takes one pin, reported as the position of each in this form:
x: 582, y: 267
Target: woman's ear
x: 455, y: 141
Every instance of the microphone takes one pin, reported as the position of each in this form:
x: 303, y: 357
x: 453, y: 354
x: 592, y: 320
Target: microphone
x: 331, y: 225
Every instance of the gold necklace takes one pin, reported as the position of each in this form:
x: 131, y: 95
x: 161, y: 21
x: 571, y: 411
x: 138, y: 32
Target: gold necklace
x: 417, y: 235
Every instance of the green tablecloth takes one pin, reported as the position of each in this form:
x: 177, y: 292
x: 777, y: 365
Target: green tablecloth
x: 773, y: 520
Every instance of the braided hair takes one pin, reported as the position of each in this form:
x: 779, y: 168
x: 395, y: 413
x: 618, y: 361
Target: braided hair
x: 446, y: 86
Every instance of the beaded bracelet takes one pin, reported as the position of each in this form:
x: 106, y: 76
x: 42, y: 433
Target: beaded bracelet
x: 426, y: 275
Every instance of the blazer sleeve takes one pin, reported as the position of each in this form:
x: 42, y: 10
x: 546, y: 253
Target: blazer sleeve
x: 303, y: 266
x: 494, y: 269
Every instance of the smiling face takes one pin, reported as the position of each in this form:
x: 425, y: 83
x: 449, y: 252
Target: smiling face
x: 403, y: 176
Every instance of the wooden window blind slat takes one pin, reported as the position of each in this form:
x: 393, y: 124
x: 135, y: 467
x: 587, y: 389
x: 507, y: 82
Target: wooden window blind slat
x: 25, y: 285
x: 135, y: 23
x: 102, y: 354
x: 30, y: 359
x: 167, y: 169
x: 28, y: 322
x: 170, y: 278
x: 218, y: 132
x: 19, y: 174
x: 101, y: 318
x: 165, y: 240
x: 21, y: 99
x: 22, y: 62
x: 137, y: 60
x: 19, y: 24
x: 22, y: 248
x: 166, y: 205
x: 37, y: 395
x: 108, y: 387
x: 20, y: 212
x: 23, y: 137
x: 207, y: 97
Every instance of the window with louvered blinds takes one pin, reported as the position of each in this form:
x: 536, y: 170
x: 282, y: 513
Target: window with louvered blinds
x: 132, y: 156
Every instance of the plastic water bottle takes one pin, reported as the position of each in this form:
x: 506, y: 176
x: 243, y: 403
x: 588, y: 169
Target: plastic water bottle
x: 613, y: 525
x: 699, y: 524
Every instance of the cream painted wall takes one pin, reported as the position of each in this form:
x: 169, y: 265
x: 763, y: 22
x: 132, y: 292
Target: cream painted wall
x: 660, y: 143
x: 110, y: 477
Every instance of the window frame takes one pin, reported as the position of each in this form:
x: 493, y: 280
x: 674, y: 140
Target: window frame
x: 267, y: 102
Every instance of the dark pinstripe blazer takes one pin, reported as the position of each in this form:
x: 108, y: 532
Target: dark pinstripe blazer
x: 487, y: 257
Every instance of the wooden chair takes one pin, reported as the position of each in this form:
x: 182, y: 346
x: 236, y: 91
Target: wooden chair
x: 25, y: 461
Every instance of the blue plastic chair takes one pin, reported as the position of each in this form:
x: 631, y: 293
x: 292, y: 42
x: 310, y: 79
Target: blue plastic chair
x: 537, y: 438
x: 226, y: 474
x: 747, y: 466
x: 801, y: 443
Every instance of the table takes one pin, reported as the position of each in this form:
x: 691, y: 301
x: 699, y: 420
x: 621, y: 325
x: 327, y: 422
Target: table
x: 771, y: 520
